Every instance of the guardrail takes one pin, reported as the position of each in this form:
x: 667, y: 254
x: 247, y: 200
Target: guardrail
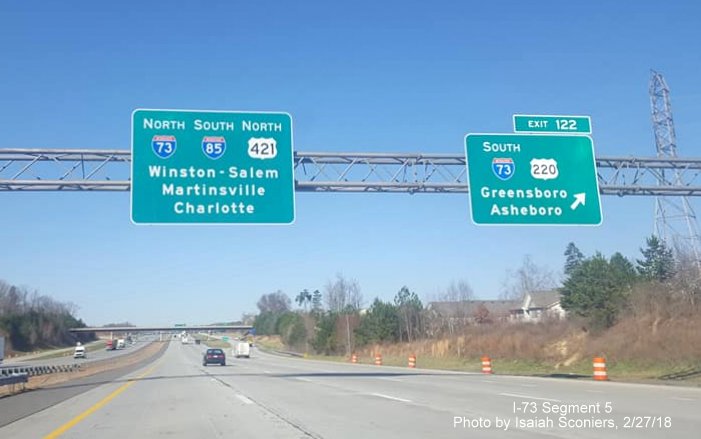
x: 30, y: 371
x: 19, y: 378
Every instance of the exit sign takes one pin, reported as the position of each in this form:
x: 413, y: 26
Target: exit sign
x: 528, y: 179
x: 552, y: 124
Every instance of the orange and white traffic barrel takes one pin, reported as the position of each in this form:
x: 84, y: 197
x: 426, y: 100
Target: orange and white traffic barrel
x: 354, y: 358
x: 412, y: 361
x: 378, y: 359
x: 600, y: 373
x: 486, y: 364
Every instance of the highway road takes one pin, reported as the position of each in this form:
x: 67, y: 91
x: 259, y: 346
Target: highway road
x: 269, y: 396
x: 92, y: 356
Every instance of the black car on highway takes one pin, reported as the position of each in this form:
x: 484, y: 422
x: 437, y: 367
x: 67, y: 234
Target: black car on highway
x: 214, y: 356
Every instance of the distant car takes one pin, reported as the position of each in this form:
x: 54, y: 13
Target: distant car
x: 214, y: 356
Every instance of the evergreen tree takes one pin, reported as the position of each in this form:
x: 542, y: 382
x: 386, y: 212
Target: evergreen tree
x: 573, y: 258
x: 380, y: 324
x: 303, y: 298
x: 597, y: 290
x: 317, y: 299
x: 623, y: 268
x: 658, y: 261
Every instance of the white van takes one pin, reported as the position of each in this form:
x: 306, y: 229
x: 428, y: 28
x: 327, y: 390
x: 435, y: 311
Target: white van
x: 79, y: 352
x: 242, y: 349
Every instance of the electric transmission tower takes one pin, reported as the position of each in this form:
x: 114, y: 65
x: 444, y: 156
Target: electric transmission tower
x: 675, y: 220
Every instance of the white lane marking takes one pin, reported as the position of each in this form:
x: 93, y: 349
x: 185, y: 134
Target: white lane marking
x: 679, y: 398
x: 243, y: 399
x: 392, y: 379
x: 488, y: 381
x: 393, y: 398
x: 304, y: 379
x: 516, y: 395
x: 267, y: 371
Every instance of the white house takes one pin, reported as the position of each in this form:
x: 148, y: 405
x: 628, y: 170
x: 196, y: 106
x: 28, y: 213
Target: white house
x: 539, y: 305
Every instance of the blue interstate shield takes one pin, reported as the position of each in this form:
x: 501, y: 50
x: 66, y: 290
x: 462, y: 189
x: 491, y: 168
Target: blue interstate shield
x: 503, y: 168
x: 164, y: 146
x: 213, y: 146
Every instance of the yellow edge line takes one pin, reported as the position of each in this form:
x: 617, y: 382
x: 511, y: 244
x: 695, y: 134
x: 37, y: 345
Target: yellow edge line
x: 73, y: 422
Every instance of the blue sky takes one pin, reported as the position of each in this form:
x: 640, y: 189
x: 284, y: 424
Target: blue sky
x: 357, y: 76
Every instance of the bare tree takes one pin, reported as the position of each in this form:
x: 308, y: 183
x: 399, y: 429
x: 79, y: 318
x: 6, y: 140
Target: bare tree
x: 248, y: 318
x: 687, y: 279
x: 458, y: 291
x: 342, y: 294
x: 276, y: 302
x: 528, y: 278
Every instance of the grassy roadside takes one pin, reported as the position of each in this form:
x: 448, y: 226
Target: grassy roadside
x: 66, y: 352
x: 211, y: 342
x: 620, y: 371
x: 269, y: 343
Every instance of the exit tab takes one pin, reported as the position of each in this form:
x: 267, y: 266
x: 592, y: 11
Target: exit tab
x: 524, y: 123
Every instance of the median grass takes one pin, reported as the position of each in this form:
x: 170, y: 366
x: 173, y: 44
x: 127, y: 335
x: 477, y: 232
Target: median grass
x: 213, y: 343
x: 67, y: 352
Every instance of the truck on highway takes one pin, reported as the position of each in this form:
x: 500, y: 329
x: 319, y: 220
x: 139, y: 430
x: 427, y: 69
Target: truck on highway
x: 242, y: 349
x: 121, y: 344
x: 79, y: 351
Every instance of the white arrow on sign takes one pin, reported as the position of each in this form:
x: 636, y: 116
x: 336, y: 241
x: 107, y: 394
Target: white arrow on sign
x: 579, y: 199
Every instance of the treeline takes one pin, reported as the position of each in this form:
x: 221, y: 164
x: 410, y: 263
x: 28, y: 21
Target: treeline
x: 596, y: 292
x: 602, y: 290
x: 30, y: 320
x: 333, y: 322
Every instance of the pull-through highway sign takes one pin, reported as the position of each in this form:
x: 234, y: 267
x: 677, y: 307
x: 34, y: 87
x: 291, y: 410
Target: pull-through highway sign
x: 211, y: 167
x: 530, y: 179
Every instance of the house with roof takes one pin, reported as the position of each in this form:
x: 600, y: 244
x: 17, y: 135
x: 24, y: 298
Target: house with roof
x: 537, y: 306
x: 534, y: 307
x: 450, y: 315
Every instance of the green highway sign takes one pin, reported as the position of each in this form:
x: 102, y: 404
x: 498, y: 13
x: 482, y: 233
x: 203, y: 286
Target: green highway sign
x: 528, y: 179
x: 552, y: 124
x: 213, y: 167
x: 225, y: 338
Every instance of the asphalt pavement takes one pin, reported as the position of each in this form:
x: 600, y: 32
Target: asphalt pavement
x: 269, y: 396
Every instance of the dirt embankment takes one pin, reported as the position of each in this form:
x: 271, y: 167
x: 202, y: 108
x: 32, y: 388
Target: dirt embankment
x: 88, y: 369
x: 641, y: 348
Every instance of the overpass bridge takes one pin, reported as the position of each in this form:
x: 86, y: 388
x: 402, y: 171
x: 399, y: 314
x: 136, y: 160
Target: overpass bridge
x: 162, y: 328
